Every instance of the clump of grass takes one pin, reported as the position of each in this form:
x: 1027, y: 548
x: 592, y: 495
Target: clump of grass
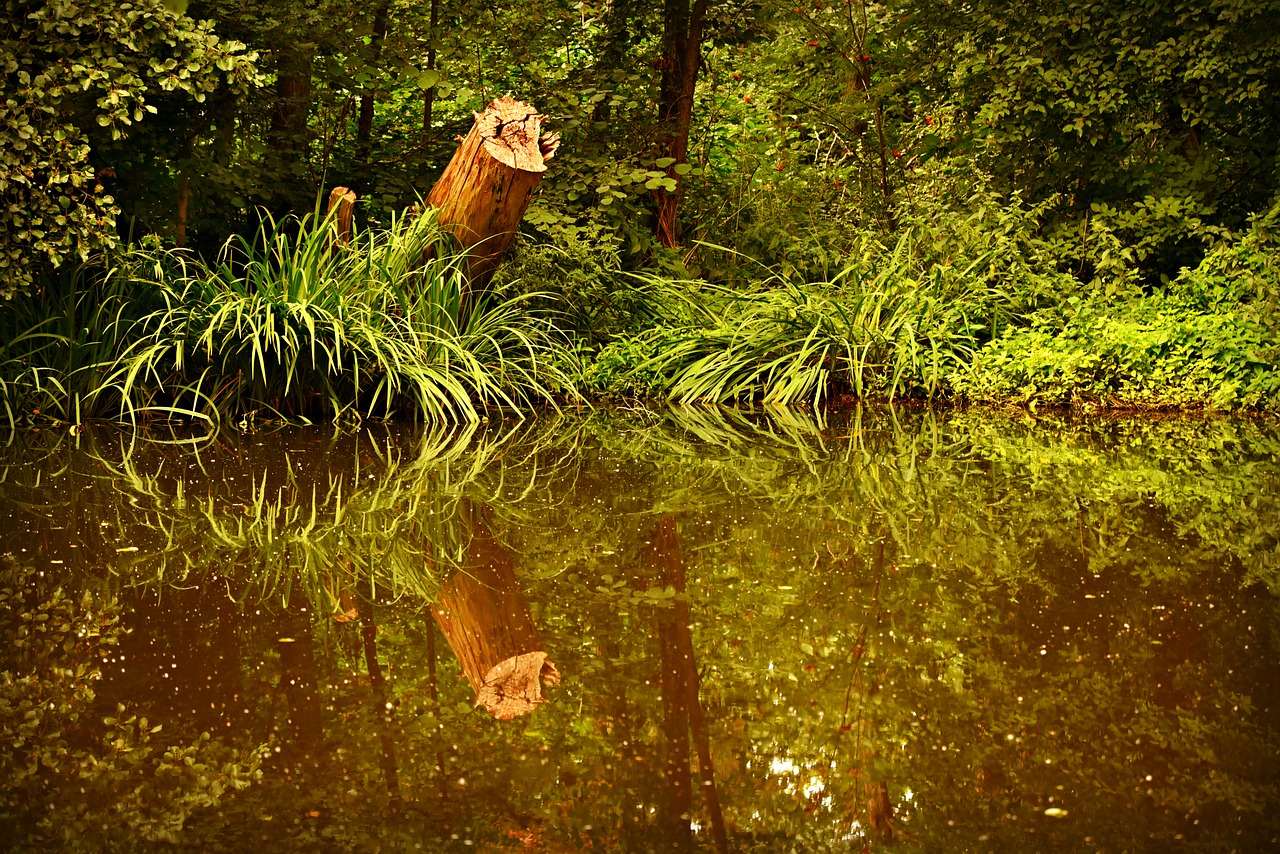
x: 56, y: 346
x: 885, y: 325
x: 293, y: 323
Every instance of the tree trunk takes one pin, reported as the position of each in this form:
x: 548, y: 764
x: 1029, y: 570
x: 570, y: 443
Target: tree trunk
x: 287, y: 138
x: 184, y: 199
x: 486, y: 621
x: 293, y: 102
x: 617, y: 18
x: 429, y: 97
x: 682, y: 57
x: 485, y: 189
x: 364, y: 124
x: 184, y: 190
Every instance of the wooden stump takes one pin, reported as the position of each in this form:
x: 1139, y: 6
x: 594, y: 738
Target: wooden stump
x: 485, y: 189
x: 345, y: 201
x: 486, y: 621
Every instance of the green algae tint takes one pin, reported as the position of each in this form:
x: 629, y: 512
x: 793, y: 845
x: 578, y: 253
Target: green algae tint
x: 696, y: 629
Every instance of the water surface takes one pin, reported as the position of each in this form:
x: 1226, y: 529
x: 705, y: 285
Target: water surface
x: 896, y: 631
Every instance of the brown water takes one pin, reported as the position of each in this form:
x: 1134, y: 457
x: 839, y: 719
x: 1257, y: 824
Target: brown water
x: 881, y: 631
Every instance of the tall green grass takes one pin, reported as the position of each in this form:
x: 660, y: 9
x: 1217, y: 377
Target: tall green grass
x: 292, y: 323
x: 56, y: 347
x: 891, y: 323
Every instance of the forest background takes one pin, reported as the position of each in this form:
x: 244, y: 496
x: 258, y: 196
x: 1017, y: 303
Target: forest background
x: 1059, y: 203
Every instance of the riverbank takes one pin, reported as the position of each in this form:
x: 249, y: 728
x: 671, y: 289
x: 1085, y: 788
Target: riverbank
x: 297, y: 326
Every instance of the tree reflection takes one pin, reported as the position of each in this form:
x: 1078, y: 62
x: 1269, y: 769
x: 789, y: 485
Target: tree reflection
x: 681, y: 704
x: 486, y: 621
x: 382, y: 706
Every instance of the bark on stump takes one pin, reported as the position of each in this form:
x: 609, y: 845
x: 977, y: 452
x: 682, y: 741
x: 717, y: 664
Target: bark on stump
x: 486, y: 621
x: 485, y: 189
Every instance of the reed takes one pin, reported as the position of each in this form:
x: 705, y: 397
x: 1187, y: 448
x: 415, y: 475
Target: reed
x: 55, y: 346
x: 298, y: 324
x: 887, y: 324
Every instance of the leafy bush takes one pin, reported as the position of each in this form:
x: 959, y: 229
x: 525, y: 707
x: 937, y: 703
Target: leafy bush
x: 72, y: 74
x: 1244, y: 271
x: 1161, y: 351
x: 1209, y: 340
x: 580, y: 282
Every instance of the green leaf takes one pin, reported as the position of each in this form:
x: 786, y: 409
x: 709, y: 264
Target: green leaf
x: 427, y: 79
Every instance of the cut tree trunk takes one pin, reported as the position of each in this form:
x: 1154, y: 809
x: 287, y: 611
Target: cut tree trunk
x: 485, y: 189
x: 486, y: 621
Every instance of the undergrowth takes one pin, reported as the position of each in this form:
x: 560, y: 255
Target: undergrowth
x: 965, y: 302
x: 1210, y: 339
x: 970, y: 304
x: 897, y: 320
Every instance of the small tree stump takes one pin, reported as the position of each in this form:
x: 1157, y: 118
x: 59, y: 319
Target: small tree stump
x: 485, y: 189
x: 486, y: 621
x: 345, y: 201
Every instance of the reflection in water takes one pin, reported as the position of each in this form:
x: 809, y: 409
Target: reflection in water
x: 486, y: 621
x: 378, y: 694
x: 681, y: 702
x: 899, y: 632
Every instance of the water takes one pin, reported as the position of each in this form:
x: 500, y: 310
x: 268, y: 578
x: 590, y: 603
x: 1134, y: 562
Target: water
x: 892, y: 630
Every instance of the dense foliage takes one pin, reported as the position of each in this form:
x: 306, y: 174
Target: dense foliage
x: 994, y: 202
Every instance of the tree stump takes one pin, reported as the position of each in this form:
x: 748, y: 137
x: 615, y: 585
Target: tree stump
x: 486, y: 621
x: 485, y: 189
x: 345, y: 201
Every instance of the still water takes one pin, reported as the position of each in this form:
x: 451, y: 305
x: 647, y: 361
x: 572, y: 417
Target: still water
x: 883, y: 631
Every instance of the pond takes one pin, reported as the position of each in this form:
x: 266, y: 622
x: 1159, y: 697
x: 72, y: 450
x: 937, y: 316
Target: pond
x: 638, y: 631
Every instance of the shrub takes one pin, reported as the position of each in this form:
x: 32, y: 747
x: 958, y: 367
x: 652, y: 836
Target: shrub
x: 1160, y: 351
x: 1210, y: 339
x: 898, y: 319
